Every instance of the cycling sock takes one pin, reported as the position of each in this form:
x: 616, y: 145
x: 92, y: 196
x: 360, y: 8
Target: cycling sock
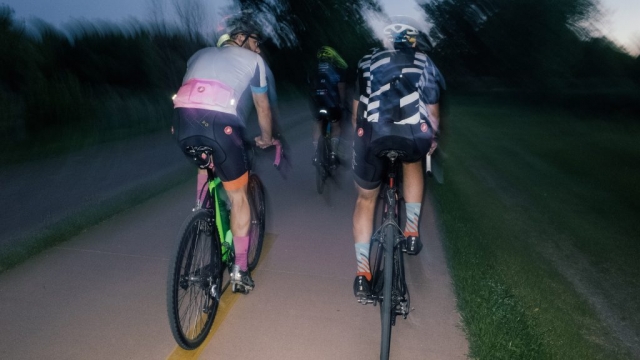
x: 413, y: 216
x: 241, y: 246
x: 362, y: 258
x: 335, y: 142
x: 202, y: 180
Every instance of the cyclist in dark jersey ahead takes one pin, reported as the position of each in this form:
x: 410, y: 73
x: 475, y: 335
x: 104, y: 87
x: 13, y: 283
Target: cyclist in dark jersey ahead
x: 329, y: 96
x: 207, y: 115
x: 395, y: 107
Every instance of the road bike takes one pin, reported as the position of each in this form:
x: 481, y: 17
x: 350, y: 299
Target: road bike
x: 388, y: 284
x: 204, y: 250
x: 322, y: 159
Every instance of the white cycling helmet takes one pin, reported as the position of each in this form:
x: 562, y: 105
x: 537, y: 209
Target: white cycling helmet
x: 401, y: 29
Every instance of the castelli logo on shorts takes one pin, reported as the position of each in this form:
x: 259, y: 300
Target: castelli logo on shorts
x: 228, y: 130
x: 424, y: 127
x: 360, y: 132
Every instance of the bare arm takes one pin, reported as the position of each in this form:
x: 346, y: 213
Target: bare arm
x: 263, y: 108
x: 433, y: 113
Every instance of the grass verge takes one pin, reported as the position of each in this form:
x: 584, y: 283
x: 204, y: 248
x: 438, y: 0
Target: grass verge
x: 91, y: 215
x: 538, y: 212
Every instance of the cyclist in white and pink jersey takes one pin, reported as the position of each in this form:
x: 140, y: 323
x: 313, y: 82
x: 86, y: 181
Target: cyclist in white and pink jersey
x: 208, y: 115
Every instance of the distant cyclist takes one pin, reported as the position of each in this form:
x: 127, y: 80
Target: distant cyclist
x: 328, y: 95
x: 396, y: 106
x: 207, y: 115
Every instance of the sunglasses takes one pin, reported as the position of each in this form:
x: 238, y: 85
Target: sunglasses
x: 257, y: 39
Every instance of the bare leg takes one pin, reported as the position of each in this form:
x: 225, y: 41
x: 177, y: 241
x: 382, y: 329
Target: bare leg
x: 413, y: 182
x: 363, y: 214
x: 362, y: 231
x: 240, y: 212
x: 413, y: 190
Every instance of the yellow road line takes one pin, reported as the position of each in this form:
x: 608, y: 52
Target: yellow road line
x: 227, y: 300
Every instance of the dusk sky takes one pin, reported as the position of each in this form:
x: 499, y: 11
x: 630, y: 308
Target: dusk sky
x: 622, y: 23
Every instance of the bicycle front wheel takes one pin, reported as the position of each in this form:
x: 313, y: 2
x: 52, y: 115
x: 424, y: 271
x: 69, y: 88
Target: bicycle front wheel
x: 386, y: 307
x: 256, y: 230
x: 194, y: 281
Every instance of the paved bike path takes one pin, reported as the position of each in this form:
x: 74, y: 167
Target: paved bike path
x: 101, y: 295
x: 303, y: 305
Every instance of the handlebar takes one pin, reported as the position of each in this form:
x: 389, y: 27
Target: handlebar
x: 279, y: 152
x: 278, y: 157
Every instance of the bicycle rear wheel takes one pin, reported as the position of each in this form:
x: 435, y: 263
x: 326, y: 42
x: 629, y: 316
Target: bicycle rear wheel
x: 194, y: 281
x: 322, y: 159
x: 386, y: 307
x: 256, y: 229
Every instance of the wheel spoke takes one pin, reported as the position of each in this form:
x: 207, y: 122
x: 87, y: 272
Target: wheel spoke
x: 191, y: 307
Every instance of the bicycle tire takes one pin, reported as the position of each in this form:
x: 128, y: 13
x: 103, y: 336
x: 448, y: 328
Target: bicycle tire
x: 386, y: 308
x: 195, y: 272
x: 256, y: 229
x: 322, y: 156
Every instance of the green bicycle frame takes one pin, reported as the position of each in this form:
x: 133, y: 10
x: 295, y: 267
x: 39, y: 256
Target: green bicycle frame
x: 223, y: 223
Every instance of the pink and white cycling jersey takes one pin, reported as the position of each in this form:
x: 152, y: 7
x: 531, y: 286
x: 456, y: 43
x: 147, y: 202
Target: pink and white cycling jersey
x: 217, y: 78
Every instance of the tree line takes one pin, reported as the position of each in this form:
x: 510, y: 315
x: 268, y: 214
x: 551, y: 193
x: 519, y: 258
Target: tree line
x: 98, y: 77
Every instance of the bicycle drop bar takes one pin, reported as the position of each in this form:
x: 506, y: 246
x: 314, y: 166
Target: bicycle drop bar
x: 278, y: 146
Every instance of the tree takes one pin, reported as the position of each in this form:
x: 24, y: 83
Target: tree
x: 296, y: 29
x: 533, y: 42
x: 191, y: 15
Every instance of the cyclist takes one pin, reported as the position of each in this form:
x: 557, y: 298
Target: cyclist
x: 395, y: 107
x: 329, y: 97
x: 207, y: 115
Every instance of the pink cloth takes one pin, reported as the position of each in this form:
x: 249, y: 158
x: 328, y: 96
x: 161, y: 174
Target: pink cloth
x: 205, y: 94
x: 241, y: 245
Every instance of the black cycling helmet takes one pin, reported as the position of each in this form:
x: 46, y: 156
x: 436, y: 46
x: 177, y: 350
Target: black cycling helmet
x: 238, y: 24
x: 242, y: 25
x: 401, y: 29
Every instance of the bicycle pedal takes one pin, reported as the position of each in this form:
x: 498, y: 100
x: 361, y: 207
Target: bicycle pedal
x: 365, y: 300
x: 240, y: 288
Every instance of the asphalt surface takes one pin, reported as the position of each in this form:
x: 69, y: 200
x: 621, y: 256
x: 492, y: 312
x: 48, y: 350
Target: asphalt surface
x: 101, y: 295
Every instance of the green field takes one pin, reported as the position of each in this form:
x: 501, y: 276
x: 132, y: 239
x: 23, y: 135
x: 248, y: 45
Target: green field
x: 539, y: 210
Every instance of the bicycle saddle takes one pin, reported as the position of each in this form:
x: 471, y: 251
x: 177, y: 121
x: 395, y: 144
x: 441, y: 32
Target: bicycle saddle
x: 200, y: 154
x: 392, y: 154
